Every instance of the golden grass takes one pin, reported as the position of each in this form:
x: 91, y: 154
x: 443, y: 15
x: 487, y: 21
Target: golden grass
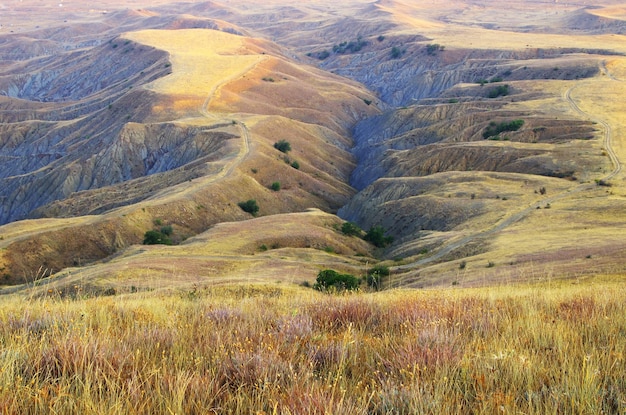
x: 464, y: 30
x: 263, y: 349
x: 201, y: 59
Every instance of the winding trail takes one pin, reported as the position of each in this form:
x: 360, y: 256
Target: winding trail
x: 229, y: 167
x: 617, y: 168
x: 608, y: 130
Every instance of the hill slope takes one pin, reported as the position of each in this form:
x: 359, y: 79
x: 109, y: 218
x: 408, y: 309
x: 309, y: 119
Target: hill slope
x: 493, y: 142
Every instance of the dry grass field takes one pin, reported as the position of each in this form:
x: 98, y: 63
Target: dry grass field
x: 550, y: 348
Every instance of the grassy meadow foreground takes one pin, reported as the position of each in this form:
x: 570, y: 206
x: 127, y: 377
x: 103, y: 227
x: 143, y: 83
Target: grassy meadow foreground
x: 549, y: 348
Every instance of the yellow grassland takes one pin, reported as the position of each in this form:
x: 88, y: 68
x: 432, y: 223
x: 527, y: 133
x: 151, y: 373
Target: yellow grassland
x: 277, y: 349
x: 201, y: 59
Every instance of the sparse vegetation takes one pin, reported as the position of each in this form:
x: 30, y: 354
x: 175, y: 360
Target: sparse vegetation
x: 350, y: 47
x: 397, y: 52
x: 329, y: 279
x: 249, y: 206
x: 351, y: 229
x: 323, y: 55
x: 376, y: 235
x: 433, y: 48
x: 494, y: 128
x: 275, y: 186
x: 499, y: 91
x: 282, y: 146
x: 295, y: 165
x: 376, y: 275
x: 154, y: 237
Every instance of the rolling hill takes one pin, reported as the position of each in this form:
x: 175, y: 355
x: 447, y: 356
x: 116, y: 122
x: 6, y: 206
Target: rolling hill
x: 488, y: 143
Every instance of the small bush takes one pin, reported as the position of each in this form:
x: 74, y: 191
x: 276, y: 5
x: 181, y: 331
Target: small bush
x: 282, y: 146
x: 396, y: 52
x: 330, y: 279
x: 295, y: 165
x: 434, y: 48
x: 323, y: 55
x: 499, y: 91
x: 375, y: 276
x: 154, y: 237
x: 249, y: 206
x: 167, y: 230
x: 494, y: 129
x: 376, y: 235
x: 275, y: 186
x: 351, y: 229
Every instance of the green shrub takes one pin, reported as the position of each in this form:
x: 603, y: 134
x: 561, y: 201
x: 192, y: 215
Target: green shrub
x: 499, y: 91
x: 350, y: 47
x: 330, y: 279
x: 351, y: 229
x: 396, y: 52
x: 323, y: 55
x: 167, y: 230
x: 434, y: 48
x: 493, y: 129
x: 154, y: 237
x: 275, y: 186
x: 376, y: 235
x: 282, y: 146
x: 295, y: 165
x: 376, y: 275
x: 249, y: 206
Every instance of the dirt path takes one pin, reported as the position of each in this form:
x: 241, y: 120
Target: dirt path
x: 608, y: 131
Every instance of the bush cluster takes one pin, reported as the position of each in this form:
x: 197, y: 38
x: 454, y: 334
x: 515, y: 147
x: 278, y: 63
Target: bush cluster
x: 499, y: 91
x: 249, y: 206
x: 376, y: 235
x: 329, y: 279
x: 158, y: 237
x: 494, y: 128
